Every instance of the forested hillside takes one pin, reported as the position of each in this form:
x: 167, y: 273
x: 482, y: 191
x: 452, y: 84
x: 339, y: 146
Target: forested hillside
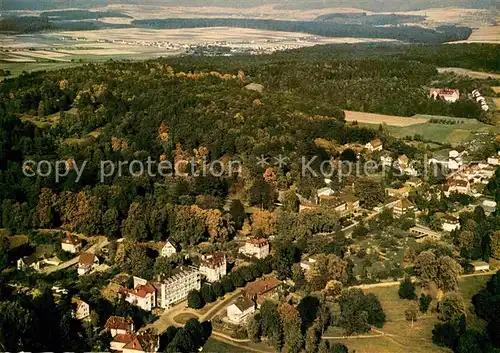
x: 171, y: 109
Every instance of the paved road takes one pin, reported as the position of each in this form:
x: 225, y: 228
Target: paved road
x: 168, y: 318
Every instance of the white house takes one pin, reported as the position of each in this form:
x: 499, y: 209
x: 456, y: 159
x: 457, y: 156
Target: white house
x: 449, y: 95
x: 307, y: 264
x: 402, y: 207
x: 480, y: 266
x: 495, y: 159
x: 256, y: 247
x: 455, y: 185
x: 450, y: 223
x: 81, y: 309
x: 213, y: 266
x: 177, y: 287
x: 386, y: 161
x: 240, y: 310
x: 119, y: 325
x: 489, y: 206
x: 71, y: 244
x: 375, y: 145
x: 168, y: 249
x: 87, y: 262
x: 403, y: 161
x: 454, y: 160
x: 142, y: 296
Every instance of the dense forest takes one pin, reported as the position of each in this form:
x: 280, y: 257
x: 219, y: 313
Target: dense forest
x: 27, y: 24
x: 372, y: 20
x: 192, y: 109
x: 323, y: 28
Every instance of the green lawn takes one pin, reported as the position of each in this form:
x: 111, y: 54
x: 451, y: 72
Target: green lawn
x: 220, y: 347
x: 453, y: 134
x: 17, y: 68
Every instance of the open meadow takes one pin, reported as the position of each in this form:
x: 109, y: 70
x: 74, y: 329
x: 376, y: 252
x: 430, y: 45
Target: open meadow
x: 399, y: 336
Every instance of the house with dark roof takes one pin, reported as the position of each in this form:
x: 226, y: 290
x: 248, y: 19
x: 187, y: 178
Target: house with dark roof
x: 71, y: 243
x: 87, y: 262
x: 213, y: 266
x: 117, y: 325
x: 256, y: 247
x: 402, y: 207
x: 260, y: 289
x: 145, y: 342
x: 240, y: 310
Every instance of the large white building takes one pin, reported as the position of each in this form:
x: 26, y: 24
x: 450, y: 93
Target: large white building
x: 213, y: 266
x: 258, y: 248
x: 176, y: 288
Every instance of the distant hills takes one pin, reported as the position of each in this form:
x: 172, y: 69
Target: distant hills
x: 369, y: 5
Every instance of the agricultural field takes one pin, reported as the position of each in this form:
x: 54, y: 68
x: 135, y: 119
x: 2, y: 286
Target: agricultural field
x: 25, y: 52
x: 490, y: 34
x: 391, y: 120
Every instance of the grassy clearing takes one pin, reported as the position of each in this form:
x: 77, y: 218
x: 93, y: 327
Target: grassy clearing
x: 453, y: 134
x: 185, y: 317
x: 42, y: 122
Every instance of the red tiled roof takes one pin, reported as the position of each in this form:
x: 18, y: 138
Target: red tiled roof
x: 444, y: 91
x: 142, y: 290
x: 261, y: 287
x: 134, y: 344
x: 376, y: 142
x: 86, y: 259
x: 259, y: 242
x: 119, y: 323
x: 123, y: 338
x: 214, y: 260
